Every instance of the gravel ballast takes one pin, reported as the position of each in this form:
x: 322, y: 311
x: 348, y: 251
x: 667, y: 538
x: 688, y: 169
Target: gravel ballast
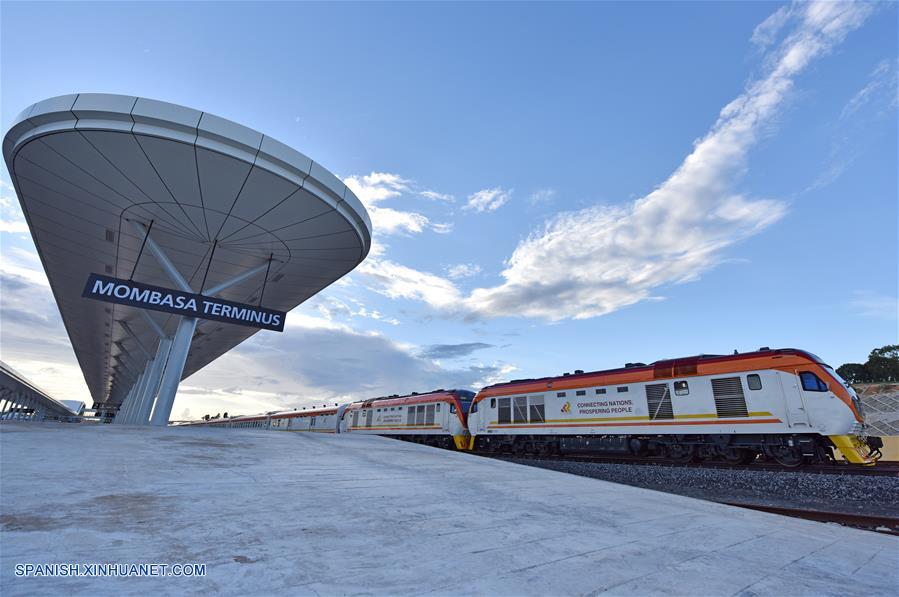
x: 855, y: 494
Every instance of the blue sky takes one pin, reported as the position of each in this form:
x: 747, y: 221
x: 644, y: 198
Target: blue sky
x: 554, y: 186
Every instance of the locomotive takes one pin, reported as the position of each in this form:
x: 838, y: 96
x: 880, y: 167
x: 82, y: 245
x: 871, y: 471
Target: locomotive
x: 785, y: 405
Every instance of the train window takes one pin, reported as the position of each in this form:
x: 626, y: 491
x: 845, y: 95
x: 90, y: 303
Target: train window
x: 581, y: 393
x: 600, y: 390
x: 420, y: 414
x: 474, y: 407
x: 560, y: 394
x: 536, y: 410
x: 681, y: 388
x: 452, y: 409
x: 520, y: 412
x: 811, y: 382
x: 754, y: 381
x: 623, y: 388
x: 505, y: 410
x: 493, y: 403
x: 429, y: 414
x: 438, y: 407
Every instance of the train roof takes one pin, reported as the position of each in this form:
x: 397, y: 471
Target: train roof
x: 673, y: 364
x: 305, y: 412
x: 414, y: 397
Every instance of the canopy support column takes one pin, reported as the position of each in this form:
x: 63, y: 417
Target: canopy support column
x: 151, y: 388
x: 171, y: 377
x: 122, y: 415
x: 139, y: 387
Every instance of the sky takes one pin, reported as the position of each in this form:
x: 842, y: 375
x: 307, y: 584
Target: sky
x: 553, y: 186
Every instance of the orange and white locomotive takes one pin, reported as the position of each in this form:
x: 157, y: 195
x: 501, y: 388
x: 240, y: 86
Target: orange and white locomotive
x: 785, y: 404
x: 436, y: 418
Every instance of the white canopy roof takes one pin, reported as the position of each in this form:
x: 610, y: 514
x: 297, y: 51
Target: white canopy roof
x: 87, y: 166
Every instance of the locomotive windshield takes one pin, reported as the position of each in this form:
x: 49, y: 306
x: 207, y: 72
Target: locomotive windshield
x: 465, y: 397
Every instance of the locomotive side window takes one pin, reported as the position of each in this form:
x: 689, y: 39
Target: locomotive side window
x: 438, y: 407
x: 811, y: 382
x: 505, y: 410
x: 581, y: 393
x: 600, y: 390
x: 754, y: 381
x: 521, y: 409
x: 560, y: 394
x: 681, y: 388
x: 537, y: 412
x: 623, y: 388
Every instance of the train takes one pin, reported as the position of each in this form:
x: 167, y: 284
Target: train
x: 436, y: 418
x: 784, y: 405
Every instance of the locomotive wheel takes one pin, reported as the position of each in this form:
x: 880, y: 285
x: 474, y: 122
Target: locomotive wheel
x: 681, y: 453
x: 787, y: 456
x: 738, y: 456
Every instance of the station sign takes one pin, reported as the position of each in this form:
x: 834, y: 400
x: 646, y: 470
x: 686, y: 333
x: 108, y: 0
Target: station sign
x: 176, y: 302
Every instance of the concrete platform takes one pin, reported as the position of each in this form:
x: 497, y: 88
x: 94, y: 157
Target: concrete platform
x: 271, y: 512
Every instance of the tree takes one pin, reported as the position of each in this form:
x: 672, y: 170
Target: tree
x: 883, y: 363
x: 854, y: 373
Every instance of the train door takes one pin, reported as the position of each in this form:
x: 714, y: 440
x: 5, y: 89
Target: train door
x: 368, y: 413
x: 486, y: 410
x: 795, y: 406
x: 312, y: 423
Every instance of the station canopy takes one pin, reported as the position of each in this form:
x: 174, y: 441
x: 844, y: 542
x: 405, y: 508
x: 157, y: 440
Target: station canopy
x: 93, y: 172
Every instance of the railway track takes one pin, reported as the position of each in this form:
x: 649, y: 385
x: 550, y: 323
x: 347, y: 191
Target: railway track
x: 881, y: 524
x: 888, y: 469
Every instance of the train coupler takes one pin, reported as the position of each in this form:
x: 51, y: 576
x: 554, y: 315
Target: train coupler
x: 874, y: 444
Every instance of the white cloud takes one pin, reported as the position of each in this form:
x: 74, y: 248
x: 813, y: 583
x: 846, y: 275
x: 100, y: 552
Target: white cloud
x: 398, y: 281
x: 442, y: 227
x: 591, y: 262
x: 488, y: 199
x: 376, y: 187
x: 594, y: 261
x: 463, y: 270
x: 861, y: 117
x: 767, y: 31
x: 319, y: 363
x: 11, y: 218
x: 32, y: 337
x: 372, y: 189
x: 872, y: 304
x: 541, y: 196
x: 435, y: 196
x: 882, y: 84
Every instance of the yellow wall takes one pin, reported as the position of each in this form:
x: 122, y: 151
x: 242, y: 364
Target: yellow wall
x: 890, y: 448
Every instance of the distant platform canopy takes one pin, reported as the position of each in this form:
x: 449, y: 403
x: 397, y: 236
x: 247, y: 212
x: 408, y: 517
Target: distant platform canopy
x: 94, y: 171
